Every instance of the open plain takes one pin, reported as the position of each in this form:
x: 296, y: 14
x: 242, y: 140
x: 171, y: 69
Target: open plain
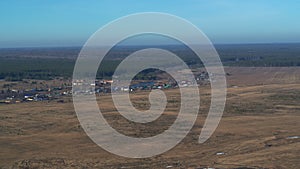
x: 260, y: 128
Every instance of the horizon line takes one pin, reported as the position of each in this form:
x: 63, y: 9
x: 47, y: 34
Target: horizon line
x: 132, y: 45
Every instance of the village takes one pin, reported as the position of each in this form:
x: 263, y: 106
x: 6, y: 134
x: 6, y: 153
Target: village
x: 61, y: 89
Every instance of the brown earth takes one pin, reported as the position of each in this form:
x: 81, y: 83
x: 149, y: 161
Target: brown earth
x: 261, y: 115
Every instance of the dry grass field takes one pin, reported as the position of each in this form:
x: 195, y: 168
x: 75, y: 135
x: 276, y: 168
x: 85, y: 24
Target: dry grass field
x: 257, y: 130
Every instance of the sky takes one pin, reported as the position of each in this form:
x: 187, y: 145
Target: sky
x: 35, y: 23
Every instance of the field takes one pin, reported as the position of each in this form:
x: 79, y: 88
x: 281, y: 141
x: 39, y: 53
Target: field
x: 259, y: 129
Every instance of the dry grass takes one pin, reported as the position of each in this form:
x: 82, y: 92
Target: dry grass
x: 253, y: 132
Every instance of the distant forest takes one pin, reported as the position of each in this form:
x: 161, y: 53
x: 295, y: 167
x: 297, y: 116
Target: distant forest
x: 48, y: 63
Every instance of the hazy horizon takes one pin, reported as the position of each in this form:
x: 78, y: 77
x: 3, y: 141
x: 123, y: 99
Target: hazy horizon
x: 141, y: 45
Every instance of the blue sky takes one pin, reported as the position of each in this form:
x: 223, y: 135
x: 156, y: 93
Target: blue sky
x: 69, y: 23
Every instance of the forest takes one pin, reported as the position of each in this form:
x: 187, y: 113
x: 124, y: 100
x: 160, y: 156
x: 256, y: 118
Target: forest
x: 49, y: 63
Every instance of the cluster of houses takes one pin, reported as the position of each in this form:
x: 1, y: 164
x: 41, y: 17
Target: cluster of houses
x: 99, y: 86
x: 29, y: 95
x: 104, y: 86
